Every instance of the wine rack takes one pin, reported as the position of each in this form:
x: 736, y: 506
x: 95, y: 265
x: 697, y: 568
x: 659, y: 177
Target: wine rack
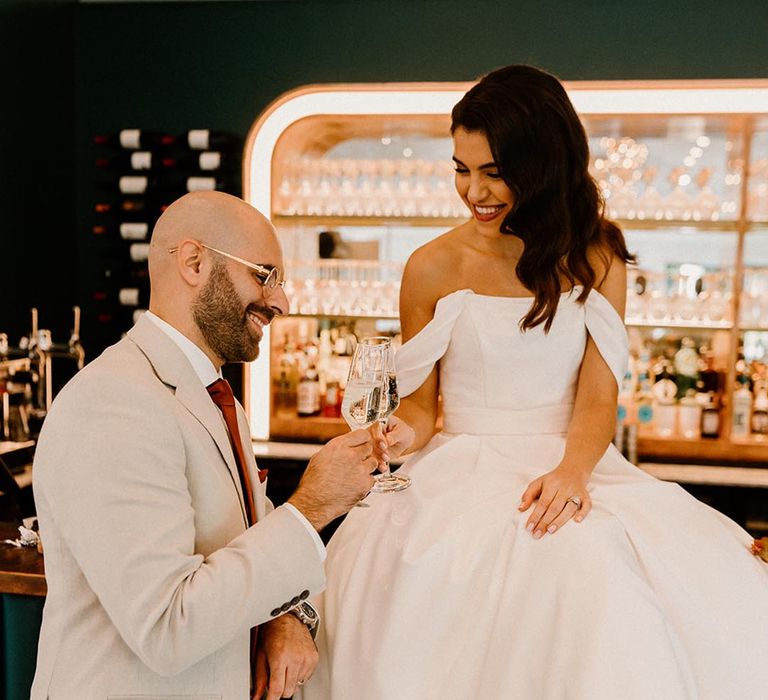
x: 137, y: 174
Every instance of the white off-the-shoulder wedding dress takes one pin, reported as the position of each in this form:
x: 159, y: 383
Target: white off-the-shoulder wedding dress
x: 439, y: 593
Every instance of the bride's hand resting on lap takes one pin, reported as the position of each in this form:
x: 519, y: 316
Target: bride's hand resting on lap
x: 562, y: 494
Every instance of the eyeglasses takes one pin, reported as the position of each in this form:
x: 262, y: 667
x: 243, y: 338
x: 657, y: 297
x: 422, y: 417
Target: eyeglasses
x: 270, y: 277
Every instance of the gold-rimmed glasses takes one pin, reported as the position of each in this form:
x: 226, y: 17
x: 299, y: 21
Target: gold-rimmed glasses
x: 270, y: 277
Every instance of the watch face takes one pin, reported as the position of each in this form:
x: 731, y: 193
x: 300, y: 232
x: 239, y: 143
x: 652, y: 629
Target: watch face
x: 309, y: 611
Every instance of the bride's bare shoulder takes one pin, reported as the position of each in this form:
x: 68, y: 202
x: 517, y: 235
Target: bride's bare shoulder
x: 427, y: 276
x: 431, y: 264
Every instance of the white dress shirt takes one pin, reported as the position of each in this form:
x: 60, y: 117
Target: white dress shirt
x: 207, y: 373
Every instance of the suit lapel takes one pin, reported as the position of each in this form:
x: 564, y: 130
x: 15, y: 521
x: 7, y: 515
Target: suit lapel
x: 173, y: 369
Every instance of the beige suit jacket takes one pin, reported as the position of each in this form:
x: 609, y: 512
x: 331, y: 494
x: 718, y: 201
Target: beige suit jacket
x: 154, y: 578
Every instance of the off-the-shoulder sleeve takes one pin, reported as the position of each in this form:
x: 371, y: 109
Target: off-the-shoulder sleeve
x: 415, y: 359
x: 609, y: 333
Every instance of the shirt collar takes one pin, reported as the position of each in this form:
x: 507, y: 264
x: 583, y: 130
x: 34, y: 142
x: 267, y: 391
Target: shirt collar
x: 200, y: 362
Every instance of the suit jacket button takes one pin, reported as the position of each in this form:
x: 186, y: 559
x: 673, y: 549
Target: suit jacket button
x: 276, y: 612
x: 304, y: 595
x: 285, y: 607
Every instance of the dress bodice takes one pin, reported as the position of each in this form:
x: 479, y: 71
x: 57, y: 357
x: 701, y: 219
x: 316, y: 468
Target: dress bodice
x: 495, y: 378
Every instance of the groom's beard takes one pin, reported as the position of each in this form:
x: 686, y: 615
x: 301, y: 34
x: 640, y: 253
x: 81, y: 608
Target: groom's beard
x: 222, y: 317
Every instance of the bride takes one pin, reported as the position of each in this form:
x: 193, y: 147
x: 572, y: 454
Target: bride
x: 529, y: 560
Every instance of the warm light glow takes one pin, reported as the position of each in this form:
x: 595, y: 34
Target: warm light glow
x: 720, y: 97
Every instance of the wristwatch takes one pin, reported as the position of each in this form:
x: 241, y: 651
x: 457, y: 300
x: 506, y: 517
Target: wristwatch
x: 308, y: 615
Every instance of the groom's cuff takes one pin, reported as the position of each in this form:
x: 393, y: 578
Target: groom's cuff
x: 318, y: 542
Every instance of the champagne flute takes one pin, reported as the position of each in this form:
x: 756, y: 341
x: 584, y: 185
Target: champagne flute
x: 388, y: 482
x: 371, y: 395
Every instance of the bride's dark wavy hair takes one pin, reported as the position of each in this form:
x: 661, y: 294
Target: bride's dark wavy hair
x: 540, y: 148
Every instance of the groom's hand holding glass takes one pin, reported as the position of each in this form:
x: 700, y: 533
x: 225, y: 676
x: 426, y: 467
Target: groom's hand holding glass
x: 337, y: 477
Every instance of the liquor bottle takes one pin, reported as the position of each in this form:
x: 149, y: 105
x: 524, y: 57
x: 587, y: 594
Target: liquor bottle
x: 689, y: 415
x: 135, y: 139
x: 285, y: 398
x: 742, y: 409
x: 308, y: 396
x: 686, y: 366
x: 710, y: 379
x: 207, y: 139
x: 135, y: 160
x: 288, y: 378
x: 664, y: 392
x: 333, y: 397
x: 324, y: 354
x: 624, y: 410
x: 760, y: 410
x: 710, y: 417
x: 644, y: 400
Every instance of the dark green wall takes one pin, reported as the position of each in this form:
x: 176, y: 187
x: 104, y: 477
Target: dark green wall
x: 189, y: 63
x: 37, y: 155
x: 175, y: 66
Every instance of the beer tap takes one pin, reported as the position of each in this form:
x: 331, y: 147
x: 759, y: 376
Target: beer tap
x: 5, y: 405
x: 76, y: 349
x: 73, y: 350
x: 38, y: 348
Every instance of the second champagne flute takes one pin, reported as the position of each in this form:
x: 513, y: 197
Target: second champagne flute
x: 371, y: 395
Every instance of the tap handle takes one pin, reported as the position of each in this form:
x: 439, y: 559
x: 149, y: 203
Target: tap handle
x: 33, y: 334
x: 76, y: 328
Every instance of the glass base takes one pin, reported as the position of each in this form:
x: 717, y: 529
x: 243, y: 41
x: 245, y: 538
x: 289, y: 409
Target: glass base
x: 389, y: 483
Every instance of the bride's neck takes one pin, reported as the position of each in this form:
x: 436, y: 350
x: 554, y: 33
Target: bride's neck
x: 501, y: 246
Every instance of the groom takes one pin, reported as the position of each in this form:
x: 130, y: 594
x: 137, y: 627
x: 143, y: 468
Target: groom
x: 162, y: 551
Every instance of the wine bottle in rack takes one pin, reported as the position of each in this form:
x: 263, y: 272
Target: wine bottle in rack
x: 171, y: 184
x: 135, y: 139
x: 134, y: 208
x: 115, y: 254
x: 127, y: 230
x: 119, y: 317
x: 118, y: 274
x: 202, y: 183
x: 136, y: 295
x: 204, y: 161
x: 134, y: 160
x: 208, y: 139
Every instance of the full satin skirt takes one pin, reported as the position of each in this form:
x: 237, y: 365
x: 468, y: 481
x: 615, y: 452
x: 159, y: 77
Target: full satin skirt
x: 439, y: 592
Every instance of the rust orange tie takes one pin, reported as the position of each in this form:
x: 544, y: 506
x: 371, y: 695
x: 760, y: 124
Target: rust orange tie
x: 222, y: 396
x: 221, y: 393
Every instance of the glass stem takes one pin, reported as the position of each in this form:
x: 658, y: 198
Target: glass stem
x: 383, y: 422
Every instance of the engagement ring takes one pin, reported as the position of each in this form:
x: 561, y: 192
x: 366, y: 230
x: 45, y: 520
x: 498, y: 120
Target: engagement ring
x: 575, y: 500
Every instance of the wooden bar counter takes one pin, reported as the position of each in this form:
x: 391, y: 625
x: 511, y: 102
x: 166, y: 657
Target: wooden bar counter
x: 21, y: 568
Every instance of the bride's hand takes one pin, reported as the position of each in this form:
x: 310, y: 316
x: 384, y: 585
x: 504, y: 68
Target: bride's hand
x: 399, y: 436
x: 391, y: 441
x: 554, y: 509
